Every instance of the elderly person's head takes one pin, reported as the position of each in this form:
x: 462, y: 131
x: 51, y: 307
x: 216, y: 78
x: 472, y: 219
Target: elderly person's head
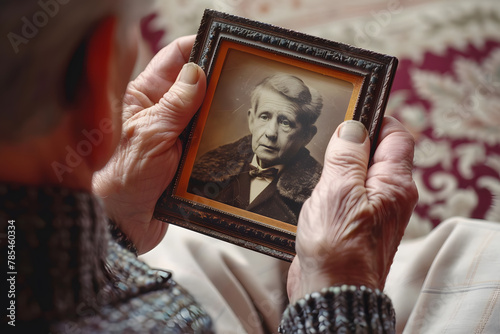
x: 65, y: 65
x: 281, y: 118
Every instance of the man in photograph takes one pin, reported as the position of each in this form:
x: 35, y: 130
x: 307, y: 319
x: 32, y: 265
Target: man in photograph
x: 269, y: 172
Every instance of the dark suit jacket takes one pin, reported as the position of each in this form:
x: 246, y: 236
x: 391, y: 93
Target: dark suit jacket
x: 222, y: 175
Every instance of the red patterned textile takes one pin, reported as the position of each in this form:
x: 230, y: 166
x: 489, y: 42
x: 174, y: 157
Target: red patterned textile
x: 451, y: 102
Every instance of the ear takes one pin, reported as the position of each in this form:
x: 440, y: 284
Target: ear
x: 251, y: 118
x: 98, y: 120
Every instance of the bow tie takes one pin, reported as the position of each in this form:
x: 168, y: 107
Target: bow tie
x: 267, y: 173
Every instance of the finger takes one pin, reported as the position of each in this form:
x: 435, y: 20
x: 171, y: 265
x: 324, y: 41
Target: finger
x: 160, y: 74
x: 390, y: 180
x: 393, y: 164
x: 391, y: 174
x: 180, y: 103
x: 395, y: 143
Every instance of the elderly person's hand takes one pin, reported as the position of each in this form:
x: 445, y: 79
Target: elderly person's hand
x: 158, y: 105
x: 350, y: 228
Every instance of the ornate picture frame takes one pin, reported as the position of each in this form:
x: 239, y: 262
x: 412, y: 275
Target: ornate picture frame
x: 238, y: 55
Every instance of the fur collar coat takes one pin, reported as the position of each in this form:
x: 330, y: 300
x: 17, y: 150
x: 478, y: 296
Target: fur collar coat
x: 222, y: 165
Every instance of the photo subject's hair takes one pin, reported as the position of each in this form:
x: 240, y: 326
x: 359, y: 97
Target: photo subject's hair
x: 307, y: 100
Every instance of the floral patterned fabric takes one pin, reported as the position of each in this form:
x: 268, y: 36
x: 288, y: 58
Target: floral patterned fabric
x: 446, y: 90
x: 451, y: 102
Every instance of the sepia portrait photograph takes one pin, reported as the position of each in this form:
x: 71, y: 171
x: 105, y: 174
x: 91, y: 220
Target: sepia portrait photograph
x: 259, y: 143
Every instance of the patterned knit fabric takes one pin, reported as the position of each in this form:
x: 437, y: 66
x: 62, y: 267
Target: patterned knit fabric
x: 340, y: 309
x: 71, y: 276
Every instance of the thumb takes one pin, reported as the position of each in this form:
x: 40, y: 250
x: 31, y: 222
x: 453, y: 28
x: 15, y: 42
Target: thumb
x: 341, y: 186
x: 180, y: 103
x: 342, y: 182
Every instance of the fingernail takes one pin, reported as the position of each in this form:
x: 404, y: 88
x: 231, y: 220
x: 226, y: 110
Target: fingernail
x: 353, y: 131
x: 189, y: 74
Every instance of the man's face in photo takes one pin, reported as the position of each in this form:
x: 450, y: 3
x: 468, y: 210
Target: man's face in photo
x: 276, y: 134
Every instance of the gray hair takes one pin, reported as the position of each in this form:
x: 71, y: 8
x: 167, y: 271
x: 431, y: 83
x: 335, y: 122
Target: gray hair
x: 39, y: 42
x: 307, y: 100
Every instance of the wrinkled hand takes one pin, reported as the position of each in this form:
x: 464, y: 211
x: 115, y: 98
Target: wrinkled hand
x: 350, y: 228
x: 158, y: 105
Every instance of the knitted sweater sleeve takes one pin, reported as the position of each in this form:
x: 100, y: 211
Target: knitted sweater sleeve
x: 340, y: 309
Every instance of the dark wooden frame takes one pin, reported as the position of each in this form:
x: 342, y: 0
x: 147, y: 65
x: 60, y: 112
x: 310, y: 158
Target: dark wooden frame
x: 375, y: 72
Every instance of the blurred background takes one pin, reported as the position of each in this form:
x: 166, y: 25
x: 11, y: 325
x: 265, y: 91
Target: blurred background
x: 446, y: 90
